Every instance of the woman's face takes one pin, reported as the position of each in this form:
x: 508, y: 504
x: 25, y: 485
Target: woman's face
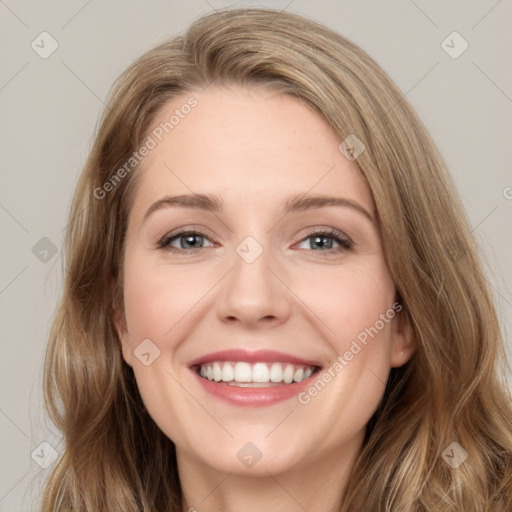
x: 260, y: 318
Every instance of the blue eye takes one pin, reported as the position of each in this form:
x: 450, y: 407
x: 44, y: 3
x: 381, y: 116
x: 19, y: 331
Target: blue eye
x: 320, y: 241
x: 325, y: 239
x: 185, y: 238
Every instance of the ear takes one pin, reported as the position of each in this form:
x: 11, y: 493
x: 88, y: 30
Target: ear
x: 403, y: 339
x: 119, y: 319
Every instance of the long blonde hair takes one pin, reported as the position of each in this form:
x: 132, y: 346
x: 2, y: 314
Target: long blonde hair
x: 115, y: 457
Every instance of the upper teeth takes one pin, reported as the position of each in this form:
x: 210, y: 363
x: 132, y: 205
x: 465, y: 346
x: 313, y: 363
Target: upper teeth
x: 255, y: 372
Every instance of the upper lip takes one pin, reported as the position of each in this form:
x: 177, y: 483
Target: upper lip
x: 253, y: 356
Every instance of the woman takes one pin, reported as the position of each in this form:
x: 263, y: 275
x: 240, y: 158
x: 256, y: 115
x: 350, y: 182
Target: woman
x: 272, y: 297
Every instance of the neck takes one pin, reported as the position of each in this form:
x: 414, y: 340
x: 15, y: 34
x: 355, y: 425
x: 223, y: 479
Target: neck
x: 316, y: 484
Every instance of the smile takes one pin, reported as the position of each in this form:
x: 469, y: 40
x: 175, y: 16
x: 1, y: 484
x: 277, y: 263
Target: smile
x: 257, y: 374
x: 258, y: 378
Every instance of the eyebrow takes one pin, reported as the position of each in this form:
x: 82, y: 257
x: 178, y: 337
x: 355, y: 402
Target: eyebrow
x: 214, y: 203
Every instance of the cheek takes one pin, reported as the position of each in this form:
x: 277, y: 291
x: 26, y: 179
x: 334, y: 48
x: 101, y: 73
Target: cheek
x: 351, y: 301
x: 158, y: 297
x: 357, y: 306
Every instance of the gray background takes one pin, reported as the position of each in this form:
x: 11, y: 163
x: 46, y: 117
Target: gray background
x: 49, y: 109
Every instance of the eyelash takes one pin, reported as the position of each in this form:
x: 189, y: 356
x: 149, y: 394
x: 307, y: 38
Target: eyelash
x: 345, y: 243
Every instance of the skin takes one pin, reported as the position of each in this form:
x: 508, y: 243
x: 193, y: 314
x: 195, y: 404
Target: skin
x: 255, y: 148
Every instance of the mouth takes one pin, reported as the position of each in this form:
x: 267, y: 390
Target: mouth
x: 253, y: 379
x: 257, y: 374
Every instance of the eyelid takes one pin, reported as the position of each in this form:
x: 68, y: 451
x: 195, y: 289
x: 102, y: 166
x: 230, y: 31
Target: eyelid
x: 192, y: 228
x: 327, y: 230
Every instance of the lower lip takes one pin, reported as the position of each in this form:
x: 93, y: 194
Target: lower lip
x: 253, y: 397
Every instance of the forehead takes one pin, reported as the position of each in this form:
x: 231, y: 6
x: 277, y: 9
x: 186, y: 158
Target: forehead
x: 245, y: 143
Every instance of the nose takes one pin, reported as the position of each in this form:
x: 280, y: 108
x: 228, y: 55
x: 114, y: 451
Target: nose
x: 253, y: 294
